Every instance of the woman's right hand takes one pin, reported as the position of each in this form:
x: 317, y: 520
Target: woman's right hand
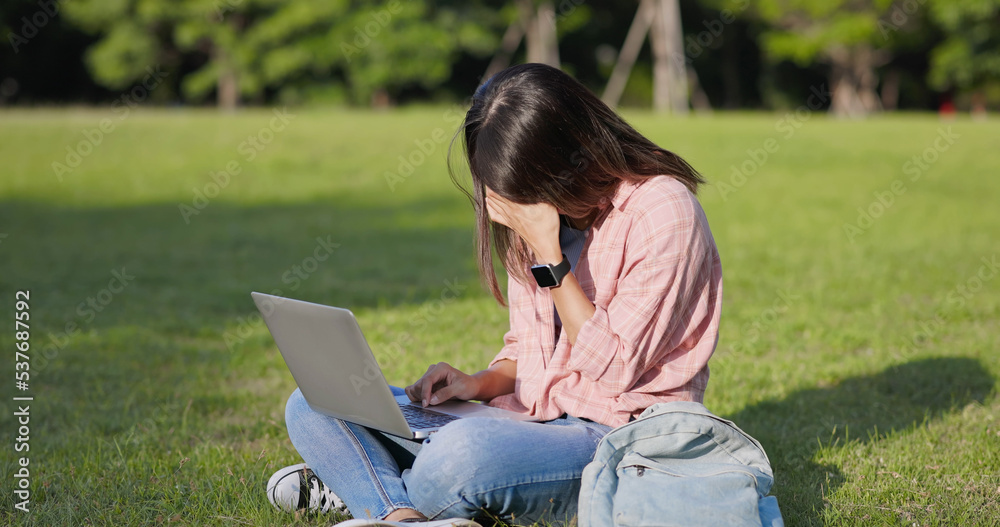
x: 441, y: 383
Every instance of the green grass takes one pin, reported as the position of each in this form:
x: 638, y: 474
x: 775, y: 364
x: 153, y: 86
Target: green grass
x: 873, y: 390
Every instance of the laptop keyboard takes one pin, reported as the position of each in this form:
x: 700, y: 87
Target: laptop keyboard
x: 419, y: 417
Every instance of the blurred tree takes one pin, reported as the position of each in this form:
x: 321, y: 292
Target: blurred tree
x: 540, y: 25
x: 244, y: 49
x: 969, y: 57
x: 290, y: 51
x: 721, y: 48
x: 37, y: 37
x: 135, y: 36
x: 842, y: 33
x: 420, y: 44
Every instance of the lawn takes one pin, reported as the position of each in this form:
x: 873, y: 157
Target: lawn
x: 859, y: 346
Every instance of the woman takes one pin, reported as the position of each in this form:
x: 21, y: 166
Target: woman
x: 614, y: 292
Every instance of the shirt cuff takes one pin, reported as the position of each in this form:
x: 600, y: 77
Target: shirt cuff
x: 595, y: 346
x: 508, y: 352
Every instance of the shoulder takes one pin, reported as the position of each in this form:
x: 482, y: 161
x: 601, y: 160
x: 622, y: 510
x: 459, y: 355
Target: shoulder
x: 659, y: 202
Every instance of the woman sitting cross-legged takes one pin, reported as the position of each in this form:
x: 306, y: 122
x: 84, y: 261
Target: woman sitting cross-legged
x: 614, y: 294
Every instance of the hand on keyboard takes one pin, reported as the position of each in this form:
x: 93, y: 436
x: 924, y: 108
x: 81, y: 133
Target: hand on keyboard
x: 441, y: 383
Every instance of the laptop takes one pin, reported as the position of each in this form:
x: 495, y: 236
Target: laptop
x: 330, y: 360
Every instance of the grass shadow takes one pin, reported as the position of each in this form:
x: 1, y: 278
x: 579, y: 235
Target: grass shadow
x: 351, y: 252
x: 863, y: 409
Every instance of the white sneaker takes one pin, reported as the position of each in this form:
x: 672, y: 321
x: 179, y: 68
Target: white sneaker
x: 296, y: 488
x: 453, y: 522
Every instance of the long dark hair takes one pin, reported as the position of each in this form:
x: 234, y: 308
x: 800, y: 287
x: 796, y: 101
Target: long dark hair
x: 534, y: 134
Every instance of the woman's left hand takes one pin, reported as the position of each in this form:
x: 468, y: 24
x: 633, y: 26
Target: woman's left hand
x: 537, y: 224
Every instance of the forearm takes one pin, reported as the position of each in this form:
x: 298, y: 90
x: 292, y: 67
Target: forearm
x: 574, y: 308
x: 497, y: 380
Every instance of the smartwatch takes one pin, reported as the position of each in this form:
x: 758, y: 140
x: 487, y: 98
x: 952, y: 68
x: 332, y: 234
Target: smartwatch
x: 549, y: 275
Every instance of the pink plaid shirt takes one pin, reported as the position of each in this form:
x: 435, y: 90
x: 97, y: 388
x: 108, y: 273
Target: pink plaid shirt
x: 651, y: 268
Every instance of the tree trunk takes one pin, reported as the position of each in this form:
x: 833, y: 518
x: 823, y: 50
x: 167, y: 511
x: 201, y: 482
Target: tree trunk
x: 868, y: 60
x: 547, y: 32
x: 890, y: 90
x: 853, y: 80
x: 508, y: 45
x: 699, y: 99
x: 731, y: 75
x: 540, y: 31
x: 630, y: 51
x: 670, y: 86
x: 228, y: 86
x: 381, y: 99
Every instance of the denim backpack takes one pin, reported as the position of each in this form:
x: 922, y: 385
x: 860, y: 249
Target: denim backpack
x: 678, y: 465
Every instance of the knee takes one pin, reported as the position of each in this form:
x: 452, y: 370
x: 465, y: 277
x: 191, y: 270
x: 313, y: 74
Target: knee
x: 451, y: 466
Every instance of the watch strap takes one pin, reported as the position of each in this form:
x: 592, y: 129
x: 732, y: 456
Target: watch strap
x: 562, y: 269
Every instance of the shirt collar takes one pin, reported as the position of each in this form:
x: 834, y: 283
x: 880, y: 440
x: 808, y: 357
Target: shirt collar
x: 625, y: 189
x: 622, y: 193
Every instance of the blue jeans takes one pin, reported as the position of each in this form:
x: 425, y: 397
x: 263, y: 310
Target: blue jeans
x: 474, y: 467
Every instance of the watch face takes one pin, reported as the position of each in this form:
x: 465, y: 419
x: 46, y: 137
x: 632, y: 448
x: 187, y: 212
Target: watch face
x: 544, y: 276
